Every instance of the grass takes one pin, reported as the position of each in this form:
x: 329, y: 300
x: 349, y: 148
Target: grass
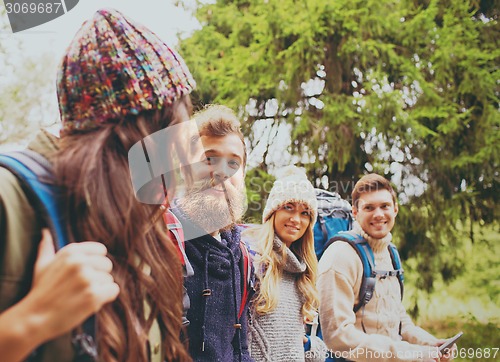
x: 470, y: 303
x: 478, y: 339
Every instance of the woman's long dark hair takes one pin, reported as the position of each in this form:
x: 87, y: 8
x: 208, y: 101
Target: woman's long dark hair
x: 94, y: 171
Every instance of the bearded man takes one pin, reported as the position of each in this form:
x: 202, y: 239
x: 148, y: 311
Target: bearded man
x: 209, y: 209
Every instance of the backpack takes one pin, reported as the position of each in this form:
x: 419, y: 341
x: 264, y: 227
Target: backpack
x: 247, y: 277
x: 176, y: 233
x: 36, y: 178
x: 334, y: 215
x: 370, y: 274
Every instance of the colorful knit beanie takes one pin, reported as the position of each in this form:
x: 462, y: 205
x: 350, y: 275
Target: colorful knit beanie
x: 113, y: 68
x: 291, y: 185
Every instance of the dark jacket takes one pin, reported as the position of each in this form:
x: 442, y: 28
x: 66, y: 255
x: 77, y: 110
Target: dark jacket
x: 215, y: 331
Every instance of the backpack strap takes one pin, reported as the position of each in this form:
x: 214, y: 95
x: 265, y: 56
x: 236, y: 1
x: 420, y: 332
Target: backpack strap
x: 247, y: 277
x: 398, y: 268
x: 321, y: 220
x: 35, y: 175
x: 365, y: 253
x: 176, y: 233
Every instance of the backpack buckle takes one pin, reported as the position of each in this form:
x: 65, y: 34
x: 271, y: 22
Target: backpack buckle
x: 85, y: 347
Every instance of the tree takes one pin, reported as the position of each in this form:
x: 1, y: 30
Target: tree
x: 27, y: 89
x: 405, y: 88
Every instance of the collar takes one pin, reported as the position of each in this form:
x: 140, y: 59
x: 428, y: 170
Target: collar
x: 291, y: 264
x: 377, y: 245
x: 45, y: 144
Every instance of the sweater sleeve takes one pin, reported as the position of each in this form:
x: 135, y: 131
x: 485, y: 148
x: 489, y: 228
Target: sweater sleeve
x: 340, y: 275
x: 317, y: 352
x: 19, y: 235
x: 414, y: 334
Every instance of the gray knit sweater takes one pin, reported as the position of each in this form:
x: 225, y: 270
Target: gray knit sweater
x: 278, y: 335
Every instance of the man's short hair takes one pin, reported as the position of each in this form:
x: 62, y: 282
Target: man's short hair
x: 369, y: 183
x: 219, y: 121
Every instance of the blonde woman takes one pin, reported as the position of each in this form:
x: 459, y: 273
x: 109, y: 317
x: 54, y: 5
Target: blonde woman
x: 285, y: 265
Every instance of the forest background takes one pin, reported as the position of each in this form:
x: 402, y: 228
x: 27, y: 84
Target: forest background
x: 405, y: 88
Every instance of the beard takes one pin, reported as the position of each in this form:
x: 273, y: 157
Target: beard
x: 213, y: 212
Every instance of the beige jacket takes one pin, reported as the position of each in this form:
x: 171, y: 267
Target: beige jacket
x: 340, y: 274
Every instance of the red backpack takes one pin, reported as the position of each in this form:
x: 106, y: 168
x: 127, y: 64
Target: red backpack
x: 176, y: 234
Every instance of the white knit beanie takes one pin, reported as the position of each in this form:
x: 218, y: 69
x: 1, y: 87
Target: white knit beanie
x: 291, y: 185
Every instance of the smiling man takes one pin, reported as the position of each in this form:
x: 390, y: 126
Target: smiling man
x: 215, y: 172
x: 209, y: 210
x: 379, y: 330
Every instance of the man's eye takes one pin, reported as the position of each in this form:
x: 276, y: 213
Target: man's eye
x: 210, y: 160
x: 234, y: 164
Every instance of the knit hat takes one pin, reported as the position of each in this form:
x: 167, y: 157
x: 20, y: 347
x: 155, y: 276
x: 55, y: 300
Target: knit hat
x: 115, y: 67
x: 291, y: 185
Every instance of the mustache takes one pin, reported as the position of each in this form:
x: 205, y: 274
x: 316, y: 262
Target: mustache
x: 208, y: 183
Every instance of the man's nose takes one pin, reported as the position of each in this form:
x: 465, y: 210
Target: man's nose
x: 378, y: 212
x: 222, y: 171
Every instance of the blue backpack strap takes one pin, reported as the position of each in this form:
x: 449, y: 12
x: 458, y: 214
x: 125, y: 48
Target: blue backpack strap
x: 365, y: 253
x: 398, y: 268
x: 35, y: 175
x: 321, y: 220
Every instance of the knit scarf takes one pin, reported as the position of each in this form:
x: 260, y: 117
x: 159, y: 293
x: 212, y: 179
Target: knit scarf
x: 377, y: 245
x: 292, y: 263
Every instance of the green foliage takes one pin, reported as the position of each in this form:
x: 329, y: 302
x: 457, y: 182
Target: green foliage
x: 474, y: 292
x: 478, y: 339
x: 27, y: 89
x: 258, y: 185
x: 480, y: 267
x: 27, y: 97
x: 409, y: 89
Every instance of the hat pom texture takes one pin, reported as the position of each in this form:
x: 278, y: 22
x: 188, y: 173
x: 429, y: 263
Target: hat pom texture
x: 291, y: 185
x: 114, y: 68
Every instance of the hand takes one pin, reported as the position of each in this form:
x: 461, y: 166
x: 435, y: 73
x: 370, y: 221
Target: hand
x: 448, y: 355
x: 431, y: 353
x: 67, y: 288
x: 70, y: 285
x: 304, y: 339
